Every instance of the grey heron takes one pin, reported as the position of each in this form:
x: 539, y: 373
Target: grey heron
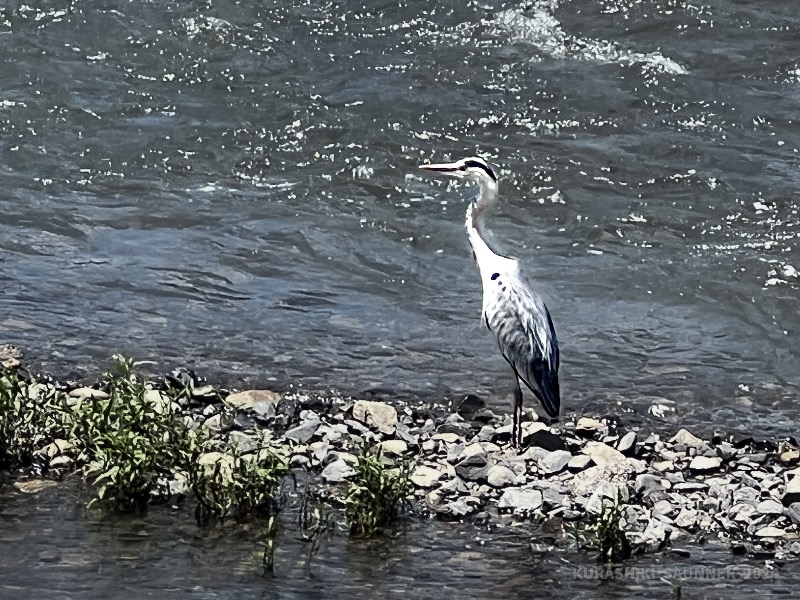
x: 512, y: 310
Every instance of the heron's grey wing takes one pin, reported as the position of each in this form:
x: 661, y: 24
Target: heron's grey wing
x: 520, y: 321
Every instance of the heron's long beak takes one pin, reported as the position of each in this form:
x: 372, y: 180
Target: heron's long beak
x: 441, y: 168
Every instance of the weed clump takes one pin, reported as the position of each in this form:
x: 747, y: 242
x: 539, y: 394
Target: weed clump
x: 604, y: 533
x: 377, y: 494
x: 133, y: 441
x: 30, y: 418
x: 233, y: 481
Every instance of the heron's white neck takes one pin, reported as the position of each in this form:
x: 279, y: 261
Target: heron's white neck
x: 476, y: 213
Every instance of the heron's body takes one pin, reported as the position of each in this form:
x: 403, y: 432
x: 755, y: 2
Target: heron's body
x: 512, y: 310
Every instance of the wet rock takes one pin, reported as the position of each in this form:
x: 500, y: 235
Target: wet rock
x: 705, y: 464
x: 499, y: 476
x: 303, y: 432
x: 263, y: 402
x: 337, y: 471
x: 520, y: 500
x: 33, y: 486
x: 555, y: 462
x: 470, y: 405
x: 770, y: 532
x: 579, y: 462
x: 462, y: 507
x: 473, y: 468
x: 792, y: 492
x: 539, y: 435
x: 627, y: 444
x: 425, y: 477
x: 589, y: 428
x: 379, y: 415
x: 686, y: 438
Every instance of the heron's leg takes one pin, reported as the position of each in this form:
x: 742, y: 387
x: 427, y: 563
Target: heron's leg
x: 516, y: 432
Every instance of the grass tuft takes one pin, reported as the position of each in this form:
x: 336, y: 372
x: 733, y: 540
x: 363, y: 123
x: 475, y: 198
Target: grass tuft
x: 377, y: 495
x: 604, y: 533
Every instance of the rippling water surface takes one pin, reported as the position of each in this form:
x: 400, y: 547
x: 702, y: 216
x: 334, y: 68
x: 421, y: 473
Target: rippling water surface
x: 233, y: 186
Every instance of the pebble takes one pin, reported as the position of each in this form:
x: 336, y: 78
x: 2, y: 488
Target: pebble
x: 337, y: 471
x: 425, y: 477
x: 792, y: 492
x: 393, y: 447
x: 770, y: 532
x: 87, y: 392
x: 303, y: 432
x: 589, y: 428
x: 627, y: 445
x: 263, y: 402
x: 770, y: 507
x: 579, y: 462
x: 473, y: 468
x: 606, y: 457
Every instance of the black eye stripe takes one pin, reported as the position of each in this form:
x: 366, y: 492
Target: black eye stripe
x: 475, y: 164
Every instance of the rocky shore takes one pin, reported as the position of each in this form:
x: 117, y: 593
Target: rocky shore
x: 672, y: 490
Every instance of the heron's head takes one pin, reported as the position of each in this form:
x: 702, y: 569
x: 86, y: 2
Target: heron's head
x: 471, y: 168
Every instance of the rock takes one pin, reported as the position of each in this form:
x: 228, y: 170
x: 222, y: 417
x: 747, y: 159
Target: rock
x: 742, y: 512
x: 206, y: 391
x: 249, y: 399
x: 770, y: 532
x: 459, y: 508
x: 303, y: 432
x: 705, y: 464
x: 553, y: 493
x: 587, y: 481
x: 534, y: 454
x: 450, y: 438
x: 33, y: 486
x: 793, y: 512
x: 664, y: 507
x: 213, y: 423
x: 470, y: 405
x: 790, y: 456
x: 425, y: 477
x: 606, y: 457
x: 687, y: 438
x: 337, y: 471
x: 61, y: 462
x: 393, y: 447
x: 690, y: 486
x: 499, y: 476
x: 627, y: 445
x: 792, y: 492
x: 473, y: 468
x: 216, y: 460
x: 663, y: 465
x: 555, y: 461
x: 520, y: 500
x: 579, y: 462
x: 646, y: 484
x: 746, y: 495
x: 379, y: 415
x: 86, y: 392
x: 770, y: 507
x: 160, y: 402
x: 687, y: 518
x: 455, y: 424
x: 299, y: 461
x: 589, y: 428
x: 539, y: 435
x: 57, y: 447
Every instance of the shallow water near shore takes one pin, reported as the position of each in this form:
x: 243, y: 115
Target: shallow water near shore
x: 59, y: 550
x: 233, y: 187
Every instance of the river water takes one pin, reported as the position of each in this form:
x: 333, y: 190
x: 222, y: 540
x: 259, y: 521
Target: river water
x: 233, y: 186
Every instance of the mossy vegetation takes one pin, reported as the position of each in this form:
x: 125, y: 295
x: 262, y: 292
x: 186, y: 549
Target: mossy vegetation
x: 378, y: 492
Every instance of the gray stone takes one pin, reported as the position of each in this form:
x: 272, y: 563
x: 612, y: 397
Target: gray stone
x: 687, y: 438
x: 553, y: 493
x: 579, y: 462
x: 770, y: 532
x: 555, y: 462
x: 266, y: 400
x: 534, y: 454
x: 425, y: 477
x: 459, y: 508
x: 770, y: 507
x: 792, y: 492
x: 687, y: 518
x: 299, y: 461
x: 473, y: 468
x: 690, y: 486
x: 303, y: 432
x: 646, y: 484
x: 61, y: 462
x: 378, y: 415
x: 588, y: 427
x: 627, y: 445
x: 520, y: 500
x: 664, y: 507
x: 393, y: 447
x: 587, y: 481
x: 542, y: 437
x: 742, y: 512
x: 705, y: 464
x: 500, y: 476
x: 746, y: 495
x: 337, y: 471
x: 455, y: 424
x: 793, y: 512
x: 607, y: 457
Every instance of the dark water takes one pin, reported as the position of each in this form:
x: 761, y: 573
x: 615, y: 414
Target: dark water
x: 61, y: 552
x: 233, y: 186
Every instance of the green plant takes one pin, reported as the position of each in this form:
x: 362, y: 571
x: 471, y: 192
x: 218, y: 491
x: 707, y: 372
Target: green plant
x: 377, y: 494
x: 30, y: 417
x: 234, y: 481
x: 604, y: 533
x: 134, y: 441
x: 316, y: 521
